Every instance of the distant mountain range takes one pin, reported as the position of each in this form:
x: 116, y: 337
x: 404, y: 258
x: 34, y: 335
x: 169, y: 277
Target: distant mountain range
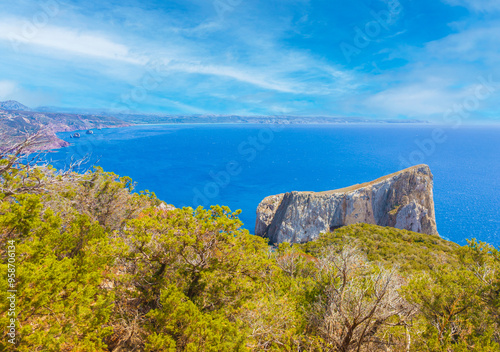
x: 17, y: 119
x: 280, y: 119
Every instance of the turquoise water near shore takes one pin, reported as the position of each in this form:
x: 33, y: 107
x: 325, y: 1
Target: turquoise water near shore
x: 239, y: 165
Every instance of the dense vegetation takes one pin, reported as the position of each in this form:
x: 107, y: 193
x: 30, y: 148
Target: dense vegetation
x: 103, y: 268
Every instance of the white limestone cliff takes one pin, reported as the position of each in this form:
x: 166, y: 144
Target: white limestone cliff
x: 402, y: 200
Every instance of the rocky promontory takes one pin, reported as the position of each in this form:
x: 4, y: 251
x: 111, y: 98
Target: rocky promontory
x: 403, y: 200
x: 17, y: 121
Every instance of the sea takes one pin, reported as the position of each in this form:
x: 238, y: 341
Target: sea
x: 238, y: 165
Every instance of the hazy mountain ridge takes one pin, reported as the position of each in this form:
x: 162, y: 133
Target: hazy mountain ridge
x: 158, y: 118
x: 17, y: 119
x: 280, y: 119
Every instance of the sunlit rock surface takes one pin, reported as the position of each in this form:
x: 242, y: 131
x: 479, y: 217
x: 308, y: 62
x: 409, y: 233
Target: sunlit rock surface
x: 403, y: 200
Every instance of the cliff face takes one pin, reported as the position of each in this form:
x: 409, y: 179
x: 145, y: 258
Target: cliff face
x: 403, y: 200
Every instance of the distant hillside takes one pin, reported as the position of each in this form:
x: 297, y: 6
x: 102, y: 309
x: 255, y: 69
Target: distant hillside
x: 13, y: 105
x: 280, y: 119
x: 157, y: 118
x: 18, y: 121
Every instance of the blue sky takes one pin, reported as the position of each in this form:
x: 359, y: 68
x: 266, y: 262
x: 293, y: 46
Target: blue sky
x: 425, y: 59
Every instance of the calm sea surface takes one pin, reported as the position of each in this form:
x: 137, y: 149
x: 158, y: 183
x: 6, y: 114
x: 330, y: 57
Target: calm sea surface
x: 239, y: 165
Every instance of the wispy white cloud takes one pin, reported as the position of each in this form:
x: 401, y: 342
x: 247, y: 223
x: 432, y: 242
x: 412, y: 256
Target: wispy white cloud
x: 249, y: 60
x: 416, y: 100
x: 469, y: 45
x: 182, y: 107
x: 207, y: 57
x: 266, y: 73
x: 91, y: 44
x: 442, y: 74
x: 254, y: 78
x: 477, y: 5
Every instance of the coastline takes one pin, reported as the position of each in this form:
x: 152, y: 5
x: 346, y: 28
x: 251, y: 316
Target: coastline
x: 59, y: 143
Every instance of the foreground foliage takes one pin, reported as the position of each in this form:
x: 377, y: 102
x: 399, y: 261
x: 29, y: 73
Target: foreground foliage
x: 102, y: 268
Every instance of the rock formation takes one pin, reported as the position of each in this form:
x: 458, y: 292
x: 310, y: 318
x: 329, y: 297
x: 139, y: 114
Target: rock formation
x: 16, y: 120
x: 403, y: 200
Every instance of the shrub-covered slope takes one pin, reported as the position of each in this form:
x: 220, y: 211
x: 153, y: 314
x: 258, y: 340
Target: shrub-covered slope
x: 390, y: 246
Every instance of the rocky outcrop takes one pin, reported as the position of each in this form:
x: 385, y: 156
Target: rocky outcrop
x: 403, y: 200
x: 53, y: 142
x: 16, y: 121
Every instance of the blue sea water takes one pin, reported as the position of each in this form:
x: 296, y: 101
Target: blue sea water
x: 239, y: 165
